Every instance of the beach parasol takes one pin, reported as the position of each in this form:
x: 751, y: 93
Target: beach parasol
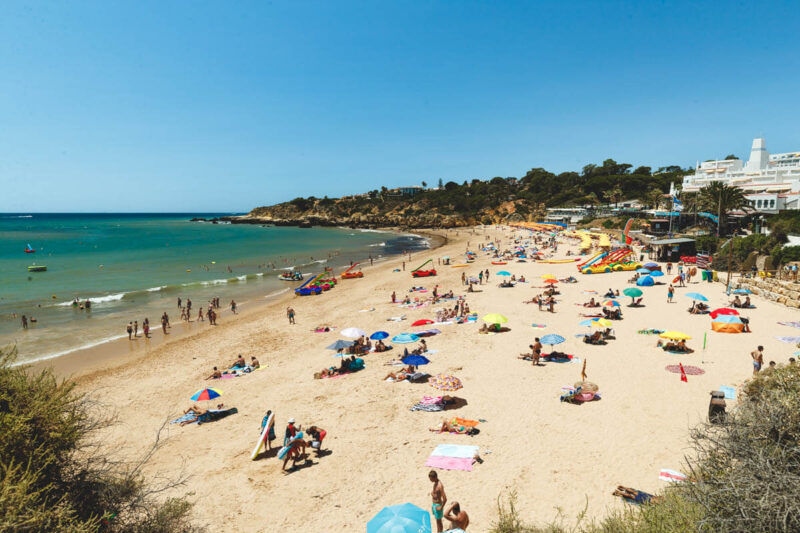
x: 405, y: 338
x: 651, y: 265
x: 656, y: 273
x: 727, y: 324
x: 696, y: 296
x: 548, y: 276
x: 552, y: 340
x: 645, y: 281
x: 340, y: 345
x: 403, y: 518
x: 674, y: 335
x: 415, y: 360
x: 602, y: 323
x: 551, y: 281
x: 723, y: 311
x: 742, y: 291
x: 633, y: 292
x: 354, y: 333
x: 503, y: 273
x: 643, y: 270
x: 422, y: 322
x: 445, y: 382
x: 495, y: 318
x: 379, y: 335
x: 206, y: 394
x: 611, y: 303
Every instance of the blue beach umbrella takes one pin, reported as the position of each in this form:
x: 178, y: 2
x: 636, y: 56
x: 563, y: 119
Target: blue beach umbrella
x: 403, y: 518
x: 340, y: 345
x: 643, y: 270
x: 405, y: 338
x: 379, y: 335
x: 651, y: 265
x: 588, y: 323
x: 503, y: 273
x: 645, y: 281
x: 656, y: 273
x: 552, y: 339
x: 742, y: 291
x: 696, y: 296
x: 415, y: 360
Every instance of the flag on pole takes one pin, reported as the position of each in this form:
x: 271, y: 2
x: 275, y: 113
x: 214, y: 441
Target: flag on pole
x: 626, y: 231
x: 683, y: 374
x: 677, y: 205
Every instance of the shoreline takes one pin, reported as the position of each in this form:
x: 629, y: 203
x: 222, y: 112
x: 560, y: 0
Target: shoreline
x: 116, y: 353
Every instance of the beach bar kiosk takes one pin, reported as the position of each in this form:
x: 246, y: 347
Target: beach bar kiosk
x: 671, y: 249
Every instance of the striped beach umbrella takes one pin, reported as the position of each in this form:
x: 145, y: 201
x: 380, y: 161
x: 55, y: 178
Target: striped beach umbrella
x: 445, y: 382
x: 611, y: 303
x: 405, y: 338
x: 206, y: 394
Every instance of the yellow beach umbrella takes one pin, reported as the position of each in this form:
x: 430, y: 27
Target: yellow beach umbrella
x: 602, y: 323
x: 495, y: 318
x: 548, y: 276
x: 674, y: 335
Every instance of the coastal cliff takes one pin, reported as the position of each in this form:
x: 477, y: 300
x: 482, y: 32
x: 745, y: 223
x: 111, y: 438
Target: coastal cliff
x: 476, y: 202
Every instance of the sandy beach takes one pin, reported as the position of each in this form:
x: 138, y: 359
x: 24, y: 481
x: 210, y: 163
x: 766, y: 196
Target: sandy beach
x: 553, y: 454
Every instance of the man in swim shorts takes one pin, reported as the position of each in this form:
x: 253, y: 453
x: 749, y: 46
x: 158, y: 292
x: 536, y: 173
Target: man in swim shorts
x: 758, y: 359
x: 439, y: 499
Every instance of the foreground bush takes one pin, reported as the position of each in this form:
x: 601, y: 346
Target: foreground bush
x: 746, y: 472
x: 52, y: 476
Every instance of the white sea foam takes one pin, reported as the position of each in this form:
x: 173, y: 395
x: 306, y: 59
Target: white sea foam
x: 242, y: 278
x: 367, y: 230
x: 97, y: 299
x: 156, y: 289
x: 378, y: 244
x: 70, y: 350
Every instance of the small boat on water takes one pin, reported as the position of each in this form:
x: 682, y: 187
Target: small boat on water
x: 29, y: 249
x: 37, y: 268
x: 291, y: 276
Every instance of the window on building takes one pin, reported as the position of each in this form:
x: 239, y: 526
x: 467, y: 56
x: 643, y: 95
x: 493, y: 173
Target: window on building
x: 758, y: 204
x: 772, y: 203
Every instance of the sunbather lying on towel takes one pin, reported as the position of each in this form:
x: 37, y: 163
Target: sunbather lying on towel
x: 591, y: 303
x: 594, y: 338
x: 400, y: 375
x: 454, y: 426
x: 202, y: 415
x: 635, y: 496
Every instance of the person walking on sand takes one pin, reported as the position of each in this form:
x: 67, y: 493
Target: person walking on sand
x: 439, y: 498
x: 146, y: 328
x: 135, y: 328
x: 179, y: 302
x: 200, y: 315
x: 163, y: 324
x: 758, y: 359
x: 670, y: 293
x: 24, y: 322
x: 129, y: 330
x: 233, y: 307
x: 394, y: 297
x: 290, y: 315
x: 459, y: 520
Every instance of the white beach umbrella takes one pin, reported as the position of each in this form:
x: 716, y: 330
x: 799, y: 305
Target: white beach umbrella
x: 354, y: 333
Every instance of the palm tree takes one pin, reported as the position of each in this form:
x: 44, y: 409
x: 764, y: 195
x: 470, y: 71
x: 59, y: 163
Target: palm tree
x: 615, y: 195
x: 720, y: 198
x: 654, y: 198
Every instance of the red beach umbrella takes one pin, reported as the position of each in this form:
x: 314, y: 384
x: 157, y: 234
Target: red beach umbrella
x: 551, y: 281
x: 723, y: 311
x: 422, y: 322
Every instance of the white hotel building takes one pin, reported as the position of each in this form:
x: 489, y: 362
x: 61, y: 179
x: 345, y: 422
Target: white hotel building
x: 770, y: 181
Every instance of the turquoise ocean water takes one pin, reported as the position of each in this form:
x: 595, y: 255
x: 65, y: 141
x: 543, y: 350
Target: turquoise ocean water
x: 133, y: 266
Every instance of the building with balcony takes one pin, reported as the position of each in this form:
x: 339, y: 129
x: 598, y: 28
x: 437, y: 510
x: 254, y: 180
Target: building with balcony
x: 771, y: 182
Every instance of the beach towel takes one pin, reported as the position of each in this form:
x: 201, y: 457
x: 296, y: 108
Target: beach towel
x: 730, y: 392
x: 429, y: 408
x: 792, y: 324
x: 671, y: 475
x: 464, y: 422
x: 450, y: 463
x: 688, y: 369
x: 184, y: 418
x: 455, y: 450
x: 790, y: 340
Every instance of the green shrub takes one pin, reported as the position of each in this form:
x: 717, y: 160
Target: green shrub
x: 52, y: 475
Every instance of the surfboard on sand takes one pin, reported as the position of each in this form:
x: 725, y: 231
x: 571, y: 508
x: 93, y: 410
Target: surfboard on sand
x: 262, y: 440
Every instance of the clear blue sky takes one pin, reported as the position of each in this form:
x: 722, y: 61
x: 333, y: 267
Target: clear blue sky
x: 223, y: 106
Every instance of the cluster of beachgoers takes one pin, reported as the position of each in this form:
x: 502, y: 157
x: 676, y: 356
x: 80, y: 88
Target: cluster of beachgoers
x: 405, y: 345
